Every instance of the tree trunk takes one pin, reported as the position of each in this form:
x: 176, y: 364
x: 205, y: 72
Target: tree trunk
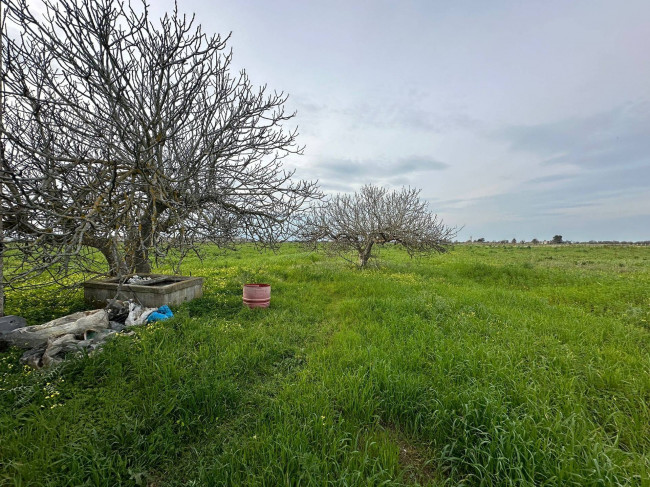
x: 143, y: 240
x: 2, y: 256
x: 76, y: 324
x: 141, y: 261
x: 145, y: 237
x: 364, y: 255
x: 137, y: 254
x: 2, y: 160
x: 116, y: 263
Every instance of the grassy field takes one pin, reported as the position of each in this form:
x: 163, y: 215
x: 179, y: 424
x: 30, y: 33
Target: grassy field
x: 492, y: 366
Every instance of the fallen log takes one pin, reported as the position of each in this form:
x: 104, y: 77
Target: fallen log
x: 77, y: 324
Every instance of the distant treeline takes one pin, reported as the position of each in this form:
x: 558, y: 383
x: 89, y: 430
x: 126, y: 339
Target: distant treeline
x: 551, y: 242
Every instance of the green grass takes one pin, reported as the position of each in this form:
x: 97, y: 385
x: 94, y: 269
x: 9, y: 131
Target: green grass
x: 487, y: 366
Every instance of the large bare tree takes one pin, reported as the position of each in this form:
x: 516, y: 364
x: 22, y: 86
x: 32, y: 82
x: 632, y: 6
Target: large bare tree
x: 375, y: 216
x: 132, y: 137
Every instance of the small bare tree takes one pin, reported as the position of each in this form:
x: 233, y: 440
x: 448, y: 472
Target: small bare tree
x: 375, y: 216
x: 130, y: 137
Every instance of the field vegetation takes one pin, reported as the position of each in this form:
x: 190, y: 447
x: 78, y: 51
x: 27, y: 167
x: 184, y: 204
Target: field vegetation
x: 495, y: 366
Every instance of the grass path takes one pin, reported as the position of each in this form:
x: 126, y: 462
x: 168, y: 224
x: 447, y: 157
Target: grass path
x: 486, y: 366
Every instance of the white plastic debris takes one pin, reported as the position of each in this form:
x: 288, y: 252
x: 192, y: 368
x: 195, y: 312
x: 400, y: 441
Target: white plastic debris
x: 138, y: 314
x: 49, y: 343
x: 135, y: 279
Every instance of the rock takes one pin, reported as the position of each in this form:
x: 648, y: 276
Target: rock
x: 11, y: 322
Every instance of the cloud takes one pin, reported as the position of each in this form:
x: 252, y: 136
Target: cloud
x: 333, y: 187
x: 334, y: 170
x: 306, y: 105
x: 607, y: 139
x: 415, y: 119
x: 417, y: 164
x: 551, y: 178
x: 566, y: 206
x: 405, y: 115
x: 569, y: 192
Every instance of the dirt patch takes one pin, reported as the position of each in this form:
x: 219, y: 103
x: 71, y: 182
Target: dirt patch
x: 416, y: 459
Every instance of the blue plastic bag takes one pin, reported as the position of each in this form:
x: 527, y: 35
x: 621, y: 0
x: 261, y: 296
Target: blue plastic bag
x: 161, y: 314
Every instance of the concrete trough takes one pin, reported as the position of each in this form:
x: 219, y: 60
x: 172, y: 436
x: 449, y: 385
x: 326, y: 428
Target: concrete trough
x: 161, y: 289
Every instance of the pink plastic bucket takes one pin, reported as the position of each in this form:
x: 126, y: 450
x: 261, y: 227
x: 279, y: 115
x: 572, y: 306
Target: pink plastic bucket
x: 257, y: 295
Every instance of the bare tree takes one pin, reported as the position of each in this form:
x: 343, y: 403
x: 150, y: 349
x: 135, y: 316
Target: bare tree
x: 2, y: 152
x: 132, y: 137
x: 376, y: 216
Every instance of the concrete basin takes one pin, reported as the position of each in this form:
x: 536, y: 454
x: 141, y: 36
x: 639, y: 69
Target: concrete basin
x: 160, y: 289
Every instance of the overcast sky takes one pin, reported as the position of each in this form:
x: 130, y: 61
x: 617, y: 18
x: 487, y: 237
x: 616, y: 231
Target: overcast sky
x: 516, y: 119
